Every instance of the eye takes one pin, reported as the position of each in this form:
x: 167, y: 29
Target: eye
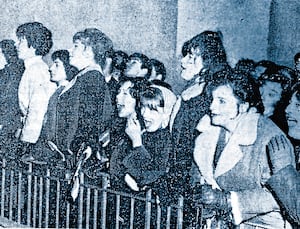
x: 222, y: 101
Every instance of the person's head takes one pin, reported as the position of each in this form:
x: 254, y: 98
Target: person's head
x: 292, y: 112
x: 90, y: 46
x: 61, y: 69
x: 272, y: 88
x: 8, y: 53
x: 128, y: 96
x: 34, y: 40
x: 204, y: 51
x: 119, y: 61
x: 152, y: 108
x: 247, y: 65
x: 138, y: 66
x: 233, y: 94
x: 297, y: 62
x: 158, y: 71
x: 263, y: 66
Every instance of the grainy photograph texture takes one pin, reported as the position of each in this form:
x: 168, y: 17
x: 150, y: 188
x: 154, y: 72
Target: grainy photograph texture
x: 176, y: 114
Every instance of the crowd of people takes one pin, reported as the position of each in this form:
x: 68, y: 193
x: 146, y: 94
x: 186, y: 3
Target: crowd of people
x: 229, y: 143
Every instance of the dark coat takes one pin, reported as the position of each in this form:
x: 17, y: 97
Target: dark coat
x: 9, y: 105
x: 76, y: 115
x: 285, y: 185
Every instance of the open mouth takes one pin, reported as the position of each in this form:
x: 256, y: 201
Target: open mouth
x: 291, y: 121
x: 120, y: 106
x: 147, y: 122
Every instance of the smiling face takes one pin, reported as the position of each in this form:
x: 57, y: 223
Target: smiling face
x: 270, y: 94
x: 191, y: 64
x: 152, y: 114
x: 224, y: 107
x: 125, y: 102
x: 293, y: 117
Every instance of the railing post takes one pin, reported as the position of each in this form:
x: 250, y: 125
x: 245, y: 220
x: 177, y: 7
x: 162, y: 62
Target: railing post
x: 104, y: 202
x: 3, y: 187
x: 29, y: 179
x: 47, y: 198
x: 80, y: 202
x: 180, y: 213
x: 148, y: 210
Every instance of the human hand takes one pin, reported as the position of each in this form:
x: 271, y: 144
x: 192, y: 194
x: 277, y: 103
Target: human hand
x: 134, y: 131
x: 211, y: 198
x: 280, y: 153
x: 131, y: 182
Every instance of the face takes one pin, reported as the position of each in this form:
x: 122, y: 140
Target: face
x: 224, y: 107
x: 152, y: 114
x: 125, y: 101
x: 191, y: 64
x: 3, y: 61
x: 270, y: 94
x: 297, y: 65
x: 134, y: 68
x: 293, y: 117
x: 24, y: 51
x: 57, y: 71
x: 77, y: 55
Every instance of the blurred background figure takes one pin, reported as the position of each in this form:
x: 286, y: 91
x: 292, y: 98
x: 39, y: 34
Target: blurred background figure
x: 11, y: 71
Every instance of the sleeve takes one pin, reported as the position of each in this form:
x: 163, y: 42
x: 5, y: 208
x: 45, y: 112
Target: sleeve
x: 39, y: 94
x: 285, y: 185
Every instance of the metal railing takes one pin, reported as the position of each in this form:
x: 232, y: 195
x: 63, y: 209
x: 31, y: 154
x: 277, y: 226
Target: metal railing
x: 36, y: 196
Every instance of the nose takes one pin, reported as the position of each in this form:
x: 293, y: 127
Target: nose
x: 213, y: 106
x: 288, y: 109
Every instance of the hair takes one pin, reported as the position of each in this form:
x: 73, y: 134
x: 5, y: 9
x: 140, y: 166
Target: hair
x: 211, y: 48
x: 64, y: 57
x: 277, y: 75
x: 144, y: 60
x: 119, y: 60
x: 243, y: 86
x: 100, y: 43
x: 296, y: 57
x: 9, y: 51
x: 245, y: 65
x: 37, y: 36
x: 159, y: 68
x: 294, y: 89
x: 152, y: 94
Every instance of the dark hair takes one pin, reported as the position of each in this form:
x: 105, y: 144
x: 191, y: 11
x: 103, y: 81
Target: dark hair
x: 243, y: 86
x: 100, y: 43
x: 295, y: 89
x: 159, y: 68
x: 211, y: 48
x: 297, y: 56
x: 144, y: 60
x: 119, y: 60
x: 64, y: 57
x: 245, y: 65
x: 37, y: 36
x: 9, y: 51
x: 278, y: 75
x: 152, y: 93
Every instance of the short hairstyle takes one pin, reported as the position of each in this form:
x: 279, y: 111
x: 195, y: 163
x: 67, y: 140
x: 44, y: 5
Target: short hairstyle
x: 277, y: 75
x: 295, y: 89
x: 9, y: 51
x: 144, y: 60
x: 245, y: 65
x: 159, y: 68
x: 64, y: 57
x: 243, y: 86
x: 297, y: 57
x: 211, y: 48
x: 100, y: 43
x: 153, y: 93
x: 119, y: 60
x: 37, y: 35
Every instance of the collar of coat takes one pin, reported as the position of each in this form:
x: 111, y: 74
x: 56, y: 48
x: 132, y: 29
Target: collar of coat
x: 205, y: 146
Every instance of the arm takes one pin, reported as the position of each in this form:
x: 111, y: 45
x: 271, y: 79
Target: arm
x: 39, y: 94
